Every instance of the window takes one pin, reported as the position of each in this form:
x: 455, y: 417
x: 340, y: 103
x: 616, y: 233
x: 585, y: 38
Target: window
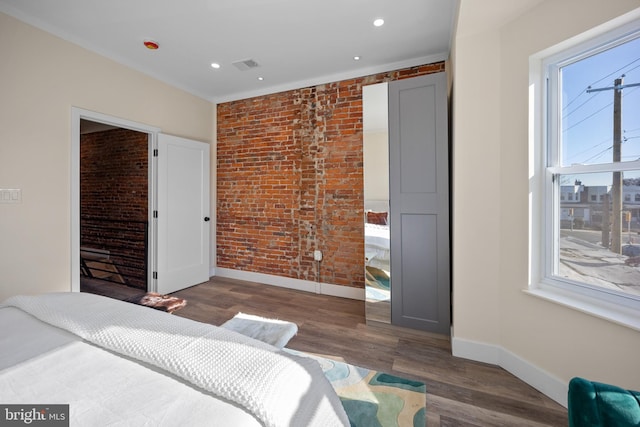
x: 593, y: 152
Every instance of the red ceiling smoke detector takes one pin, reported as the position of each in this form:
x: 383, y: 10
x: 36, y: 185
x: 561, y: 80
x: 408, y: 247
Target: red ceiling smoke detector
x: 151, y: 45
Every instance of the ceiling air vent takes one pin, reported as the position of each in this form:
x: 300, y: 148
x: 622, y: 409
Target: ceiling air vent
x: 246, y: 64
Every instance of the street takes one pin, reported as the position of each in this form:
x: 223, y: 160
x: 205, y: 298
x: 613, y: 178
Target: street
x: 595, y: 236
x: 583, y: 259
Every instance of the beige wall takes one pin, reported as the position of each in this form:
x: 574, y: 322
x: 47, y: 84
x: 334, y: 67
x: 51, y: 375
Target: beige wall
x: 476, y: 172
x: 490, y: 244
x: 41, y: 78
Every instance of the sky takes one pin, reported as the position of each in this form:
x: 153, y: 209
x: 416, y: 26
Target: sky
x: 587, y: 125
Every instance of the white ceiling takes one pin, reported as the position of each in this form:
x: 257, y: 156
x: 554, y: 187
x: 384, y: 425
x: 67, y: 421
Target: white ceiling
x: 296, y: 43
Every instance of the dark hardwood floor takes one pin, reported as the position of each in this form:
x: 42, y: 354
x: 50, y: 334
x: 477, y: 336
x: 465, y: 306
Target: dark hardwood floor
x: 460, y: 392
x: 108, y: 289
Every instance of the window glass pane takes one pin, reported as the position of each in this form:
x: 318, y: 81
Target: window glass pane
x: 593, y: 247
x: 587, y: 116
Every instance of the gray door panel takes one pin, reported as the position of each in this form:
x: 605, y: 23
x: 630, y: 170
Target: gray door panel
x: 419, y: 203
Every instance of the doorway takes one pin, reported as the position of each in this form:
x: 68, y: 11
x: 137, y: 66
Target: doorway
x: 114, y: 199
x: 178, y: 208
x: 92, y: 246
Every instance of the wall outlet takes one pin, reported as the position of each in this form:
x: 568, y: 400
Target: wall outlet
x: 317, y: 255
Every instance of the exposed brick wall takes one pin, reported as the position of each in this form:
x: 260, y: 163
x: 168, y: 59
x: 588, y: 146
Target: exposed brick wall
x: 290, y: 180
x: 114, y: 186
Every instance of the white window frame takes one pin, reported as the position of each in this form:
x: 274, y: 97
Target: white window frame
x: 544, y: 133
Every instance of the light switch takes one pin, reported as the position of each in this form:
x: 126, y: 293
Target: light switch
x: 10, y: 195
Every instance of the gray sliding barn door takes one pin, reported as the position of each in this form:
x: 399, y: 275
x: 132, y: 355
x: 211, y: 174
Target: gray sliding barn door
x: 419, y: 203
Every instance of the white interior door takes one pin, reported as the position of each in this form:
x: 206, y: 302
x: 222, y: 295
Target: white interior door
x: 182, y: 214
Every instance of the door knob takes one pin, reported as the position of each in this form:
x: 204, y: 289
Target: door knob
x: 206, y: 218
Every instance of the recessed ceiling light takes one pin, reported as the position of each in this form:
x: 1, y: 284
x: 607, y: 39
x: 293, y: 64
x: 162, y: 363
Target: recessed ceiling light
x: 260, y: 78
x: 378, y: 22
x: 356, y: 58
x: 215, y: 65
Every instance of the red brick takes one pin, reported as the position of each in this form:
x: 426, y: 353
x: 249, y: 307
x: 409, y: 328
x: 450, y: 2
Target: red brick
x: 290, y: 180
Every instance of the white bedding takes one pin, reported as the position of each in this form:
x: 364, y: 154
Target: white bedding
x: 376, y: 243
x: 185, y: 373
x: 49, y: 366
x: 376, y: 235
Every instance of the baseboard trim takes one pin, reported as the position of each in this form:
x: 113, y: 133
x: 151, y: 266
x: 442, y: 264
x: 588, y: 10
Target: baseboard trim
x: 290, y: 283
x: 537, y: 378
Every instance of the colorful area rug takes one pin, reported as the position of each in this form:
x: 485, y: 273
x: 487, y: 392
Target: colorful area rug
x: 375, y: 399
x: 377, y: 277
x: 370, y: 398
x: 378, y: 284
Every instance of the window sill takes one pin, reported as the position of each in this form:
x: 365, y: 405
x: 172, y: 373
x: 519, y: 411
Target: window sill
x: 624, y: 316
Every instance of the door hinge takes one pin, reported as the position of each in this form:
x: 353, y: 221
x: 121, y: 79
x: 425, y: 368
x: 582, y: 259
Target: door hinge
x: 155, y: 214
x: 155, y: 275
x: 155, y: 152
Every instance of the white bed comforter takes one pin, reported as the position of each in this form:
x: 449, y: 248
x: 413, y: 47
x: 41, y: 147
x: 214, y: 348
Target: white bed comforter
x: 279, y: 389
x: 377, y: 235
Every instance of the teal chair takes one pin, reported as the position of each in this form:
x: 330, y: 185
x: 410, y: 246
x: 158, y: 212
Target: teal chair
x: 594, y: 404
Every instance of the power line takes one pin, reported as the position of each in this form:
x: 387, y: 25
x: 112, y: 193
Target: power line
x: 576, y: 109
x: 616, y: 71
x: 634, y: 68
x: 595, y: 156
x: 598, y: 81
x: 608, y: 140
x: 588, y: 117
x: 575, y: 99
x: 600, y: 153
x: 633, y: 86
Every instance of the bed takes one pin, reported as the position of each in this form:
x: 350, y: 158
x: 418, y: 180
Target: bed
x: 377, y: 251
x: 116, y: 363
x: 376, y: 234
x: 376, y: 244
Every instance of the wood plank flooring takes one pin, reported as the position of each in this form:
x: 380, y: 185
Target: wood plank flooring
x: 109, y: 289
x: 459, y: 392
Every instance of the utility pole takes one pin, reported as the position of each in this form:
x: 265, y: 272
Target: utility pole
x: 605, y: 220
x: 616, y: 185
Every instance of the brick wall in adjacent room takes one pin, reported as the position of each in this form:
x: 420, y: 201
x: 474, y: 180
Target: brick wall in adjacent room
x: 290, y: 180
x: 114, y: 195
